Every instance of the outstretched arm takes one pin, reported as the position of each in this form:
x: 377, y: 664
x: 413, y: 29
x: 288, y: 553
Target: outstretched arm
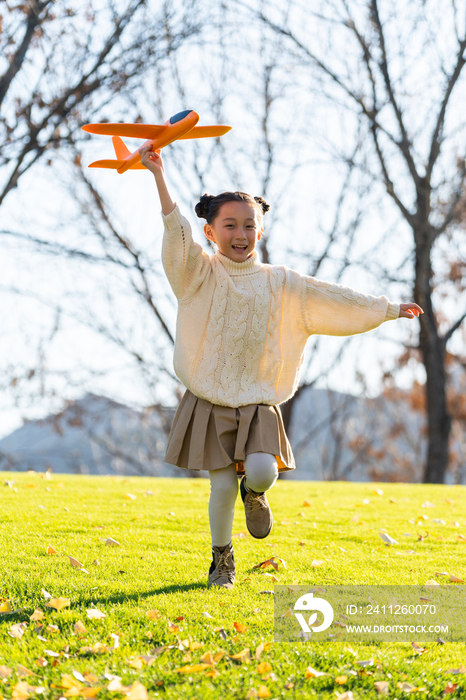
x: 152, y: 160
x: 410, y: 310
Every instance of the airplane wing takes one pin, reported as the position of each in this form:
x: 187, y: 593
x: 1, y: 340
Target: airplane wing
x: 202, y: 132
x: 139, y: 131
x: 115, y: 164
x: 151, y: 131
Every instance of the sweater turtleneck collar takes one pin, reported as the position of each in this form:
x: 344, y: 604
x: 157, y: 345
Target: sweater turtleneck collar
x: 248, y: 267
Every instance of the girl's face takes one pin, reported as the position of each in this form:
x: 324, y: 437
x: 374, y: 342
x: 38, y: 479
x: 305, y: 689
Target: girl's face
x: 235, y: 230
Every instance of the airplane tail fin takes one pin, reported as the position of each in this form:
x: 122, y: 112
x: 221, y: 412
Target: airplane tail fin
x: 121, y: 151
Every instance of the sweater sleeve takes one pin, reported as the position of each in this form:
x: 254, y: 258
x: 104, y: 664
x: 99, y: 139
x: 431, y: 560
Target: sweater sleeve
x: 185, y: 263
x: 331, y: 309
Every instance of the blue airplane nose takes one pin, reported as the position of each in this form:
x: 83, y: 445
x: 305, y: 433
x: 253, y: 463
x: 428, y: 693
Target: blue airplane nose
x: 181, y: 115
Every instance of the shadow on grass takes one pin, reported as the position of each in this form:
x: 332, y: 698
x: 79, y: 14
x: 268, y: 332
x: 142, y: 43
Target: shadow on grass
x: 141, y: 595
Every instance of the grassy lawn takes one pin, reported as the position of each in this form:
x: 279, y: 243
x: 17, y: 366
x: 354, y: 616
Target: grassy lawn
x: 161, y: 563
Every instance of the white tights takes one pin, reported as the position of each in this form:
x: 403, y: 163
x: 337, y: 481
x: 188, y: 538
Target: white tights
x: 261, y: 474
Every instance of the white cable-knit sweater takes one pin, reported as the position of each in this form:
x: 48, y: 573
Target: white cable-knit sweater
x: 242, y: 327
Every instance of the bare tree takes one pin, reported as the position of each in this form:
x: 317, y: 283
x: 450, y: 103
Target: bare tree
x: 396, y: 71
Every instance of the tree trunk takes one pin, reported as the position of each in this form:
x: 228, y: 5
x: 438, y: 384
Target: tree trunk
x: 432, y: 347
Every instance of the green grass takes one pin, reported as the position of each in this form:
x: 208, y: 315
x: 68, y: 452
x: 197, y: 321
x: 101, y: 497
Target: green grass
x: 162, y: 564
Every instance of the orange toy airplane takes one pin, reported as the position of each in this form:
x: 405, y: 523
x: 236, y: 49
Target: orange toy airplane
x: 180, y: 126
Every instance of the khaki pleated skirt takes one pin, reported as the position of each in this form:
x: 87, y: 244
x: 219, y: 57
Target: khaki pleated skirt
x: 206, y: 436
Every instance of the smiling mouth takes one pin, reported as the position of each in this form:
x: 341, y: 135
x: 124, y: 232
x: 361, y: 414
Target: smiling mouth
x: 239, y: 247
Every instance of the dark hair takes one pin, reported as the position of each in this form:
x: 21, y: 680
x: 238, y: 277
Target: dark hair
x: 209, y: 205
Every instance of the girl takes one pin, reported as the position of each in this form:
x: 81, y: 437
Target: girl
x: 241, y: 332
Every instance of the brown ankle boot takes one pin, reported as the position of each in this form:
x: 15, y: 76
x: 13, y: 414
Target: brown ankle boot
x: 222, y: 569
x: 259, y: 518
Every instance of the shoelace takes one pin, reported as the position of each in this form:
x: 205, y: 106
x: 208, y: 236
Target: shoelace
x: 257, y: 503
x: 222, y: 565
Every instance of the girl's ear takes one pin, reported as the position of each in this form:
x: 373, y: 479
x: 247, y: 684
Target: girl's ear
x: 260, y: 233
x: 208, y: 233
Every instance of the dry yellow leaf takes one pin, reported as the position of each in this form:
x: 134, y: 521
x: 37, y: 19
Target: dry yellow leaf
x: 69, y: 681
x: 137, y: 692
x: 58, y: 603
x: 153, y: 614
x: 264, y: 667
x: 5, y: 671
x: 431, y: 583
x: 312, y: 673
x: 138, y: 662
x: 264, y: 692
x: 115, y: 685
x: 192, y: 669
x: 213, y: 673
x: 17, y: 630
x: 341, y: 680
x: 307, y: 503
x: 90, y: 678
x: 51, y: 550
x: 74, y: 562
x: 90, y: 692
x: 251, y: 694
x: 239, y: 627
x: 79, y: 627
x: 23, y: 671
x: 317, y: 562
x: 259, y: 649
x: 417, y: 648
x: 21, y: 690
x: 37, y: 615
x: 382, y: 687
x: 130, y: 496
x: 5, y: 606
x: 94, y: 614
x: 241, y: 656
x: 455, y: 579
x: 110, y: 542
x: 195, y: 645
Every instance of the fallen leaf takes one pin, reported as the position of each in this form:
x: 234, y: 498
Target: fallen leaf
x: 382, y: 687
x: 192, y: 669
x: 58, y: 603
x: 23, y: 671
x: 110, y: 542
x: 130, y: 497
x: 264, y: 692
x: 75, y: 563
x: 259, y: 649
x: 51, y: 550
x: 153, y: 614
x: 37, y: 615
x: 5, y: 671
x: 264, y: 667
x: 312, y: 673
x: 195, y: 645
x: 79, y: 627
x: 431, y: 583
x: 341, y: 680
x: 239, y: 627
x: 17, y: 630
x: 417, y: 648
x: 450, y: 687
x: 94, y: 614
x: 307, y: 503
x: 455, y: 579
x: 5, y: 606
x: 407, y: 687
x: 347, y: 695
x: 137, y: 692
x: 206, y: 614
x: 270, y: 562
x: 317, y: 562
x: 241, y: 656
x: 387, y: 539
x: 456, y: 671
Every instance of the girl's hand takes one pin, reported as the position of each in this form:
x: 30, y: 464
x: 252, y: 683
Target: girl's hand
x: 410, y: 310
x: 152, y: 160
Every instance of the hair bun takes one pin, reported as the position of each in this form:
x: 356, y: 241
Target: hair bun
x: 202, y: 207
x: 263, y: 204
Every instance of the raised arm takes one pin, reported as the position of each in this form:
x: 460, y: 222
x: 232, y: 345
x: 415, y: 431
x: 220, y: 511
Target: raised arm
x: 152, y: 160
